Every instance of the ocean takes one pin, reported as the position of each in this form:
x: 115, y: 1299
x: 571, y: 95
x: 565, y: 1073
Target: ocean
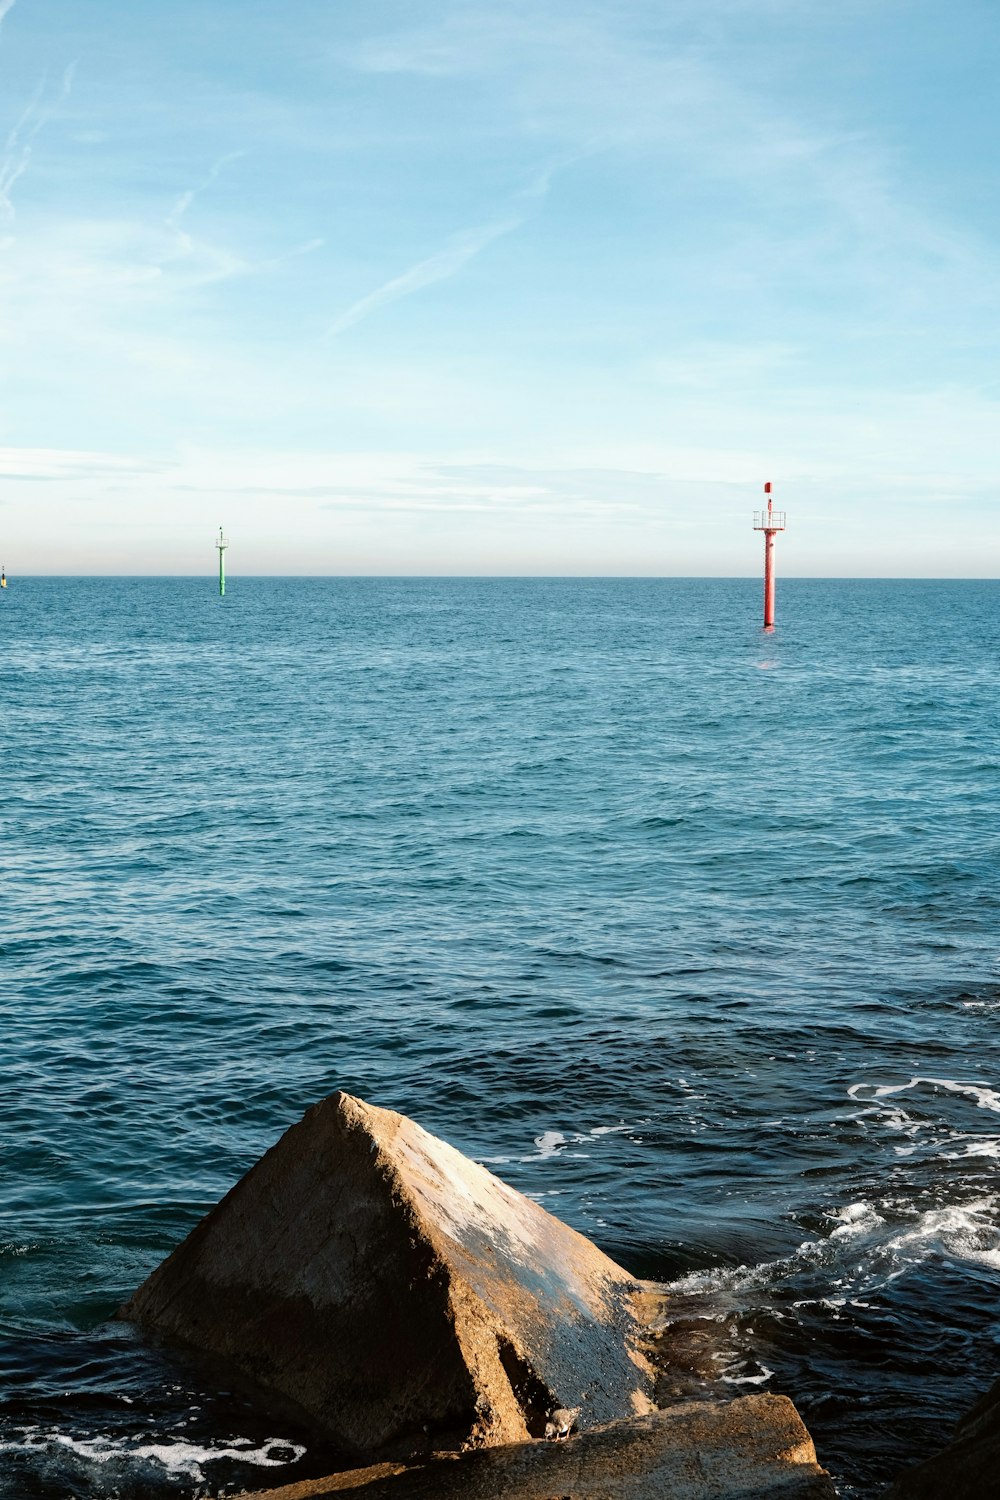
x: 688, y: 931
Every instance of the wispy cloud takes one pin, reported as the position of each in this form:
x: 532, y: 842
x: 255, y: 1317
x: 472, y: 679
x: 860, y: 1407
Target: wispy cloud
x: 188, y: 197
x: 209, y: 263
x: 214, y: 263
x: 437, y: 267
x: 63, y: 463
x: 679, y: 88
x: 17, y: 147
x: 308, y: 247
x: 5, y: 6
x: 459, y: 250
x: 476, y: 39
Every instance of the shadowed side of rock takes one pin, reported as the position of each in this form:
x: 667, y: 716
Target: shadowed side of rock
x: 315, y: 1283
x: 755, y: 1448
x: 400, y: 1295
x: 969, y: 1468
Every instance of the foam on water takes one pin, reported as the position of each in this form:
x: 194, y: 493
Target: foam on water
x: 176, y: 1458
x: 761, y: 1379
x: 985, y: 1098
x: 550, y: 1143
x: 984, y: 1146
x: 867, y: 1247
x: 968, y: 1231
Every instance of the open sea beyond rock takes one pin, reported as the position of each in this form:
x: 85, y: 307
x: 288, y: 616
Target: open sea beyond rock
x: 688, y: 931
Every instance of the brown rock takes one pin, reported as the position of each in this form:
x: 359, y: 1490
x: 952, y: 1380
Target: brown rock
x: 969, y: 1468
x: 755, y: 1448
x: 399, y: 1295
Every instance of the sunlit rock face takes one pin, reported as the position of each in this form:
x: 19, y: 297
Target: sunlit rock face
x: 399, y: 1295
x: 755, y: 1448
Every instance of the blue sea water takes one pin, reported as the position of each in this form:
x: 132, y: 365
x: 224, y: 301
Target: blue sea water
x: 687, y: 930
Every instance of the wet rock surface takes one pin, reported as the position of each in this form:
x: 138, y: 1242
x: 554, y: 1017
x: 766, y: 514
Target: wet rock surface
x: 755, y: 1448
x: 400, y: 1296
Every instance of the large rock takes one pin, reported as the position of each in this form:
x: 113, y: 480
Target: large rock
x: 755, y: 1448
x: 400, y: 1295
x: 969, y: 1468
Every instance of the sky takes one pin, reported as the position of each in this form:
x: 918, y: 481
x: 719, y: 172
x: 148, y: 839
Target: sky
x: 519, y: 287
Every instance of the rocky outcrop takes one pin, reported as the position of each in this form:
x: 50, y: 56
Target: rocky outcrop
x: 755, y: 1448
x: 969, y: 1468
x: 399, y: 1295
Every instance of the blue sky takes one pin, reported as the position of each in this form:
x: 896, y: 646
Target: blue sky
x: 502, y: 288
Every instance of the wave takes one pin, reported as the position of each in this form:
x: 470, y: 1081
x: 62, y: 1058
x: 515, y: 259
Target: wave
x: 867, y: 1247
x: 986, y: 1098
x: 177, y: 1458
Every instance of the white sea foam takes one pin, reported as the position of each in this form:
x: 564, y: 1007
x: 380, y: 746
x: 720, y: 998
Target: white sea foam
x: 968, y: 1232
x: 855, y: 1217
x: 12, y: 1249
x: 553, y: 1142
x: 979, y: 1145
x: 981, y: 1004
x: 986, y: 1098
x: 549, y: 1143
x: 760, y: 1379
x: 177, y: 1458
x: 867, y: 1247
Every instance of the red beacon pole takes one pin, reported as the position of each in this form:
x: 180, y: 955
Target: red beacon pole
x: 770, y: 522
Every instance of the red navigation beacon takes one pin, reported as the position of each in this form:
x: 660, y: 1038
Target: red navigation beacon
x: 770, y: 522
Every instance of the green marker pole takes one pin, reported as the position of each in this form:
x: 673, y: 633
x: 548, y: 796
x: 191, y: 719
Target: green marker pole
x: 222, y: 544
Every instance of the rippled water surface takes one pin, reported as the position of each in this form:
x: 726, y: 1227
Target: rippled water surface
x: 689, y: 931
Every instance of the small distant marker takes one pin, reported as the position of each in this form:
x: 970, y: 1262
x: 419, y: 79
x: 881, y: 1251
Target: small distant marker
x: 770, y: 522
x: 222, y: 544
x: 3, y: 578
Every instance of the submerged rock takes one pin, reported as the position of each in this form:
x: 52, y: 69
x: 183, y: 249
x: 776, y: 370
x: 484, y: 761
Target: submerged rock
x: 755, y: 1448
x: 400, y: 1295
x: 969, y: 1468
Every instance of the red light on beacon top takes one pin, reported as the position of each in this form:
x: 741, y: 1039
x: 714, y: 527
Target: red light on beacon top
x: 767, y: 488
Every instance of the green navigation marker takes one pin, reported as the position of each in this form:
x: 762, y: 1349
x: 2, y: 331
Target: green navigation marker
x: 222, y: 544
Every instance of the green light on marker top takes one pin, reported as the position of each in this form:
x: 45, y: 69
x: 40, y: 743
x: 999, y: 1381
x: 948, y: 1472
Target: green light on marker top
x: 222, y: 544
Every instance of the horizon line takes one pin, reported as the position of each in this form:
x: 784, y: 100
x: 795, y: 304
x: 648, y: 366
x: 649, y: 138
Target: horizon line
x: 210, y: 578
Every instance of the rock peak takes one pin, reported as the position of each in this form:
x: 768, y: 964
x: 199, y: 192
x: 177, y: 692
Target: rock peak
x: 399, y: 1294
